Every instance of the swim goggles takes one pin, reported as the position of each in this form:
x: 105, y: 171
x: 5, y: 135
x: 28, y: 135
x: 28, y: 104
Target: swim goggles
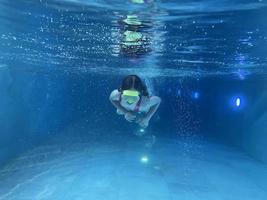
x: 131, y: 96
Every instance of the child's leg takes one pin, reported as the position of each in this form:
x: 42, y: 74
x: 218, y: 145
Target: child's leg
x: 119, y: 112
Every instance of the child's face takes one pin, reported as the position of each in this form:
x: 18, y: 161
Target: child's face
x: 130, y: 96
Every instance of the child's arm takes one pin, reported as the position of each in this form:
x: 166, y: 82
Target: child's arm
x: 155, y: 102
x: 114, y: 99
x: 118, y: 106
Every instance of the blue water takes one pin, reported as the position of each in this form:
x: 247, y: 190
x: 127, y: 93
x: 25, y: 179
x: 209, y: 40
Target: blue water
x: 60, y: 137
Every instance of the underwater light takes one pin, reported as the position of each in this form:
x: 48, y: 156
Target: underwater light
x: 144, y: 159
x: 140, y: 132
x: 196, y: 95
x: 237, y: 102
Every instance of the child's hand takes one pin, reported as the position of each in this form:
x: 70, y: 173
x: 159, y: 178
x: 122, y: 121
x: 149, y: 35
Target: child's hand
x: 143, y: 122
x: 129, y: 116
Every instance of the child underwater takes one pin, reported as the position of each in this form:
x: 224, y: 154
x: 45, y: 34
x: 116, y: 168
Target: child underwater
x: 134, y: 102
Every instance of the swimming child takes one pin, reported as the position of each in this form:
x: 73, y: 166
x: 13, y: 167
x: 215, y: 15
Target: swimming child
x: 134, y: 102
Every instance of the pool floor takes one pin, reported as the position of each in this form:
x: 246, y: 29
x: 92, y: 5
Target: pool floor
x: 102, y: 167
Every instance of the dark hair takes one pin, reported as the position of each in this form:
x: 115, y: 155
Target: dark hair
x: 133, y: 81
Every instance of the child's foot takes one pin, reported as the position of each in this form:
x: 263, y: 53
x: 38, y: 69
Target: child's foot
x: 150, y: 141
